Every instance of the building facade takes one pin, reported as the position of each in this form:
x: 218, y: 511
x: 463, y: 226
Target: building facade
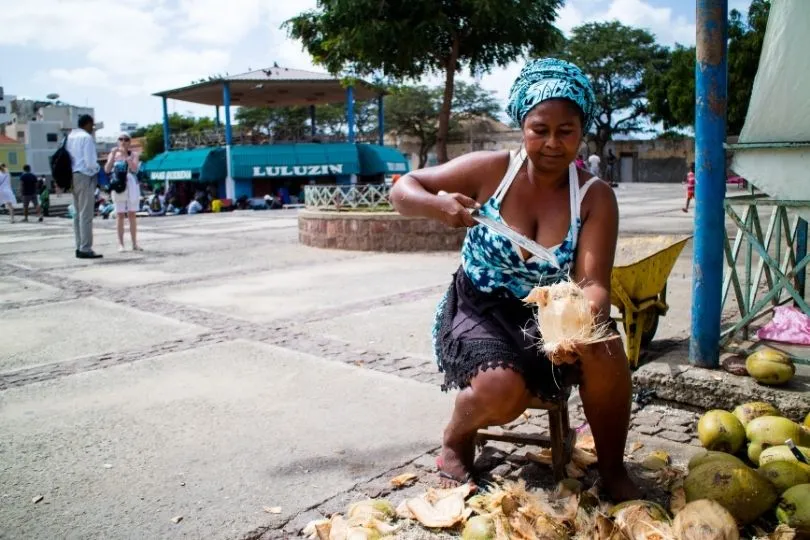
x: 5, y: 107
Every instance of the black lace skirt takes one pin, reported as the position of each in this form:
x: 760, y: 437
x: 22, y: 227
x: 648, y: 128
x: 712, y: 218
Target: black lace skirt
x: 479, y: 331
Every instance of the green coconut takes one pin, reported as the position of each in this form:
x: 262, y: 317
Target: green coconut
x: 721, y: 431
x: 784, y: 474
x: 794, y: 508
x: 738, y: 489
x: 705, y: 520
x: 372, y: 508
x: 479, y: 528
x: 709, y: 455
x: 807, y: 420
x: 783, y: 453
x: 749, y: 411
x: 770, y: 367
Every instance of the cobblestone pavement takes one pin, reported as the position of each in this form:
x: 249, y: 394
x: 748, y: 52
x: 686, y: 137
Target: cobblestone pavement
x: 365, y: 310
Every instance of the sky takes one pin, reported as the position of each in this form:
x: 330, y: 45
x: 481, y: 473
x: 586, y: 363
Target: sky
x: 113, y: 55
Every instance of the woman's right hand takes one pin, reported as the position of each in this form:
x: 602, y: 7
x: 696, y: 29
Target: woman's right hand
x: 455, y: 209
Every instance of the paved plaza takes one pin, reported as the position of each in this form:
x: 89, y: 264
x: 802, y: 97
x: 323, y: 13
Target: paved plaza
x: 227, y: 369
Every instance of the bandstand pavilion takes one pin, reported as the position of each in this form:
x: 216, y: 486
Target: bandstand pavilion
x: 252, y: 164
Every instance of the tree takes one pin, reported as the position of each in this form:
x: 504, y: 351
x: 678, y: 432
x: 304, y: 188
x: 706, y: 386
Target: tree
x: 405, y: 39
x: 330, y: 119
x: 672, y: 91
x: 616, y: 57
x: 178, y: 123
x: 414, y: 111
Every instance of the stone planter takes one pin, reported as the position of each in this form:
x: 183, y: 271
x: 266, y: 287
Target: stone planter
x: 375, y: 231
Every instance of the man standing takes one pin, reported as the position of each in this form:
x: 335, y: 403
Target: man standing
x: 593, y: 164
x: 82, y: 149
x: 28, y: 189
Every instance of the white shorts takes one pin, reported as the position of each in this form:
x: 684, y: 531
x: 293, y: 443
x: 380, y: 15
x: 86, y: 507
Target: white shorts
x: 130, y: 199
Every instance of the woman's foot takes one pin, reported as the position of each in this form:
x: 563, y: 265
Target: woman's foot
x: 619, y: 486
x: 136, y: 247
x: 120, y: 248
x: 455, y: 465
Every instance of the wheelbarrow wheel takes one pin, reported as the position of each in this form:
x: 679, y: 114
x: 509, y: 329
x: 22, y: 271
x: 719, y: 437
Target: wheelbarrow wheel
x: 650, y: 327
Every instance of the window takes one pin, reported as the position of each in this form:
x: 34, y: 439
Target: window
x: 12, y: 158
x: 52, y: 137
x: 21, y: 136
x: 2, y: 110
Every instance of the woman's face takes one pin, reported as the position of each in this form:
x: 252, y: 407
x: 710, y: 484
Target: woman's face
x: 552, y: 133
x: 124, y: 142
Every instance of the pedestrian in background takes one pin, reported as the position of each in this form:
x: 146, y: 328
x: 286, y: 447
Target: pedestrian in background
x: 82, y: 149
x: 690, y: 186
x: 44, y: 197
x: 122, y: 165
x: 593, y: 164
x: 28, y: 190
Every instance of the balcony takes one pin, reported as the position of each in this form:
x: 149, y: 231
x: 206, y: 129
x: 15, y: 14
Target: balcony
x: 243, y: 136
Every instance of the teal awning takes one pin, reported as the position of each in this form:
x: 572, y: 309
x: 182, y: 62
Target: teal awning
x: 294, y: 160
x: 199, y: 164
x: 375, y: 159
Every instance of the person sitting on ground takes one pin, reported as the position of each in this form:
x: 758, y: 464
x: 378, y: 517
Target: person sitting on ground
x: 485, y: 336
x: 195, y: 207
x: 156, y: 205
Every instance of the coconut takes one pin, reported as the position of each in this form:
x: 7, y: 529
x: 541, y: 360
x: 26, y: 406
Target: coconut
x: 720, y: 430
x: 656, y: 460
x: 754, y: 451
x: 794, y: 508
x: 367, y: 509
x: 642, y: 520
x: 775, y: 430
x: 768, y: 366
x: 705, y: 520
x: 739, y: 489
x: 807, y: 420
x: 749, y: 411
x: 565, y: 318
x: 547, y: 528
x: 784, y: 474
x: 711, y: 455
x: 783, y: 453
x: 479, y: 528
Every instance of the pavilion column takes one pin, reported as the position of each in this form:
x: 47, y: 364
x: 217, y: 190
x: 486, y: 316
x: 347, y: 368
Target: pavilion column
x: 381, y: 120
x: 166, y: 142
x: 218, y: 123
x: 350, y: 112
x: 230, y: 188
x: 312, y: 120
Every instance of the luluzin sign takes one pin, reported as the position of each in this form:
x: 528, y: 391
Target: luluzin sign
x: 170, y: 175
x: 396, y: 167
x: 297, y: 170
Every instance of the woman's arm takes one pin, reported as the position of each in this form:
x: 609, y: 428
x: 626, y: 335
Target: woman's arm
x: 134, y: 161
x: 596, y: 247
x: 110, y: 160
x: 462, y: 179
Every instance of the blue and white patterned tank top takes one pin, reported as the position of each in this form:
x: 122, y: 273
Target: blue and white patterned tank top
x: 492, y: 261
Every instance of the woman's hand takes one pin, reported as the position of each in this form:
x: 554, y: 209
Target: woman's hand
x: 455, y: 209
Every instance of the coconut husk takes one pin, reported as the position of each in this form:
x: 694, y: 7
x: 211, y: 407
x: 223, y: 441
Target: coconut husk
x: 677, y: 500
x: 643, y: 520
x: 338, y: 528
x: 438, y: 508
x: 783, y: 532
x: 705, y: 520
x: 403, y: 480
x: 565, y: 319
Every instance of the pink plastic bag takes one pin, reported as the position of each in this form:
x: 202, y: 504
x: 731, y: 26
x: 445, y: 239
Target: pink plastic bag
x: 789, y: 325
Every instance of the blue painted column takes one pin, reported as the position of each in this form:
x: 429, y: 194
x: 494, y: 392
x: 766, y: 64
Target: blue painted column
x: 166, y: 143
x: 711, y: 75
x: 801, y: 252
x: 381, y: 120
x: 312, y: 120
x: 230, y: 188
x: 218, y: 123
x: 350, y: 112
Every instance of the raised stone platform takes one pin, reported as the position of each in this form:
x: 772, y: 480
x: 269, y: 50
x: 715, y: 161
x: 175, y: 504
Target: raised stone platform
x: 375, y: 231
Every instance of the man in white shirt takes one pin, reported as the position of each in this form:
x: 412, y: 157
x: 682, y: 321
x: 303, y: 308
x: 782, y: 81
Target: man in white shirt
x: 82, y: 149
x: 593, y: 164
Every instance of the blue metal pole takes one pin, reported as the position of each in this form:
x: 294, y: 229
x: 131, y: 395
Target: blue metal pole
x: 381, y: 119
x: 711, y: 73
x: 230, y: 188
x: 218, y: 123
x: 801, y: 252
x: 166, y: 142
x: 350, y: 112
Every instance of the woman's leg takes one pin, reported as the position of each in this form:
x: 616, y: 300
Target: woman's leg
x: 133, y: 229
x: 10, y: 209
x: 606, y: 392
x: 119, y: 217
x: 494, y: 397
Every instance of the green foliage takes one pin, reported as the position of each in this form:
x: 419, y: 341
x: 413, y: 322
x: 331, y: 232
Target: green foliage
x: 672, y: 91
x: 615, y: 57
x: 178, y: 123
x: 329, y: 119
x: 405, y: 39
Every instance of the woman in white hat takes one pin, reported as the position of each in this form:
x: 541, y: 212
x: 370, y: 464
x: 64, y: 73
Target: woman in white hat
x: 122, y: 166
x: 7, y: 197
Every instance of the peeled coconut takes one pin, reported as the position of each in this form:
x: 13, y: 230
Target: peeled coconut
x: 768, y: 366
x: 783, y: 453
x: 642, y: 520
x: 775, y: 430
x: 721, y: 431
x: 794, y: 508
x: 379, y: 509
x: 710, y: 455
x: 705, y: 520
x: 564, y: 318
x: 784, y: 474
x: 739, y: 489
x: 749, y: 411
x: 479, y: 528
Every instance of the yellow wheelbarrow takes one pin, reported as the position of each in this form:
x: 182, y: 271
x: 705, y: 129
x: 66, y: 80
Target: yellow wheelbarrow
x: 638, y: 286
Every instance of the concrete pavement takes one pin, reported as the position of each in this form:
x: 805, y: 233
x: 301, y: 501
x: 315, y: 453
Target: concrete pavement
x: 224, y: 369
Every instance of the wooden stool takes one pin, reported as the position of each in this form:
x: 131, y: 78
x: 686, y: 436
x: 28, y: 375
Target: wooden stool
x: 561, y: 440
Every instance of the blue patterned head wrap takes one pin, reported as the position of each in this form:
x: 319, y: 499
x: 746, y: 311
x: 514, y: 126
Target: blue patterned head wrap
x: 549, y: 78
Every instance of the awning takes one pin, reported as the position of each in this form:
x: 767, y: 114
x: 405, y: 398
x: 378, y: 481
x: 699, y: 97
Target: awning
x: 375, y: 159
x: 294, y: 160
x: 199, y: 165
